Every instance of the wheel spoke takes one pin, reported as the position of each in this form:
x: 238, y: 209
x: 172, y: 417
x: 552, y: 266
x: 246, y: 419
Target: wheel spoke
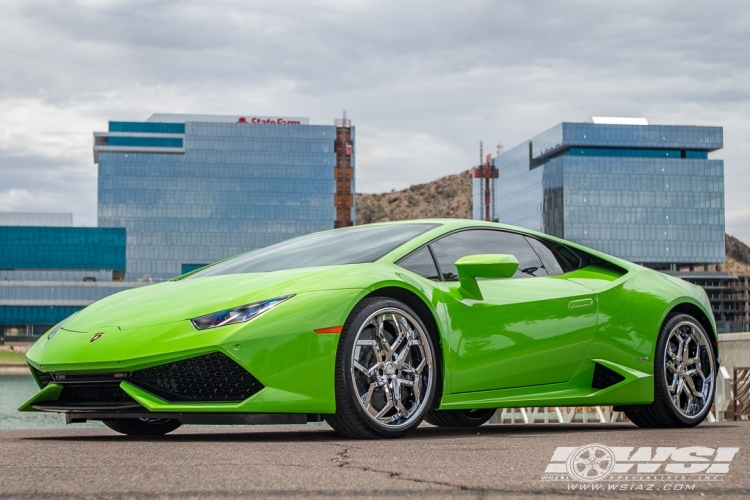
x: 685, y: 353
x: 422, y: 366
x: 693, y: 361
x: 388, y: 405
x: 691, y: 387
x: 705, y: 386
x: 375, y: 348
x: 401, y: 329
x: 671, y: 386
x: 680, y: 386
x: 384, y: 344
x: 398, y: 397
x: 690, y: 373
x: 368, y: 372
x: 401, y: 357
x: 673, y: 356
x: 370, y: 391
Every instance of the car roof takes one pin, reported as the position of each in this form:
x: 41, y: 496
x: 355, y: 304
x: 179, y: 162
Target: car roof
x: 449, y: 225
x: 443, y: 226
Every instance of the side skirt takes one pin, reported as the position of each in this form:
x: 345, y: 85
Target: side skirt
x: 636, y: 388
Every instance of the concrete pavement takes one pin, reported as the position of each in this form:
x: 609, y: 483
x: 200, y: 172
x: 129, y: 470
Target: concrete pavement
x: 313, y: 462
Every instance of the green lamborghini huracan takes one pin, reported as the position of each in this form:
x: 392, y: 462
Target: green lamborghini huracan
x: 376, y: 328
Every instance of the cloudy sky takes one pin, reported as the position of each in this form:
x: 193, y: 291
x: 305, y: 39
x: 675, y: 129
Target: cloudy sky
x: 423, y: 81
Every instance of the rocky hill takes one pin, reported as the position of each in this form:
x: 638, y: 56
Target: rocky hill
x: 447, y: 197
x: 450, y: 197
x: 738, y: 256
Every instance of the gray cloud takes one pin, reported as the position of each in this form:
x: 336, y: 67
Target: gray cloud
x: 423, y: 81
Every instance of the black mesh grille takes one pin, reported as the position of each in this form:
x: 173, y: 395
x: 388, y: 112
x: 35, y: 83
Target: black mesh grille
x: 44, y: 378
x: 214, y: 377
x: 604, y: 377
x: 95, y: 393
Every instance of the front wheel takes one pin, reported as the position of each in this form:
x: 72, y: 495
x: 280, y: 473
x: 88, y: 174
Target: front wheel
x: 142, y: 426
x: 385, y: 371
x: 684, y: 377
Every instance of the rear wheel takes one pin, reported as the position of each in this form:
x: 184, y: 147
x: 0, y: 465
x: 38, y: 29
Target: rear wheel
x: 458, y: 418
x: 385, y: 371
x: 142, y: 426
x: 684, y: 376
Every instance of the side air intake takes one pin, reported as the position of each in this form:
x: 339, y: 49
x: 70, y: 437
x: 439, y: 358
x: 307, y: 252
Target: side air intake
x: 604, y: 377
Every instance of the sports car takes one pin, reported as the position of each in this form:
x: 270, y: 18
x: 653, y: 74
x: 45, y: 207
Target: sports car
x: 379, y: 327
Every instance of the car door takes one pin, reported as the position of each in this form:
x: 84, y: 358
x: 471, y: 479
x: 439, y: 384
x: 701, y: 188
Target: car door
x: 530, y: 329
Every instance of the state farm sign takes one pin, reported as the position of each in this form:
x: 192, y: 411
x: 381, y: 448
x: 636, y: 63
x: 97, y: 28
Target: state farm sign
x: 263, y: 120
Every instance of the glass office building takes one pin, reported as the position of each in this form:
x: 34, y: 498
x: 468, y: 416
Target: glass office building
x: 47, y: 272
x: 194, y: 189
x: 646, y: 193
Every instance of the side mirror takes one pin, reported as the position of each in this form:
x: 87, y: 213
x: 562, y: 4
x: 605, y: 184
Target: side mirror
x: 487, y: 266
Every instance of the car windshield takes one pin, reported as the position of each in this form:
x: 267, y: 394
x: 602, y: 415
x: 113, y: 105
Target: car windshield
x: 330, y: 248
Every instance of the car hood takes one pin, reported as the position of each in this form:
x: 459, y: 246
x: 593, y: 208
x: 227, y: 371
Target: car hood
x: 190, y: 298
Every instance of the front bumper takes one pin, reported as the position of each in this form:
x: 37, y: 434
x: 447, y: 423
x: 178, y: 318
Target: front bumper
x: 213, y: 378
x: 272, y: 364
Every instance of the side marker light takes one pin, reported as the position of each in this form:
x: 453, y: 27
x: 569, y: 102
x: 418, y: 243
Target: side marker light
x: 330, y: 330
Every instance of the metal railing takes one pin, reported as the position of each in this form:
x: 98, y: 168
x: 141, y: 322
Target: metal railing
x: 558, y: 415
x: 726, y: 388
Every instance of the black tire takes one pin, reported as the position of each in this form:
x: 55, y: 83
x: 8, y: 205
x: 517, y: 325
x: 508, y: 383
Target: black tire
x: 458, y: 418
x: 663, y: 413
x: 142, y: 427
x: 351, y: 420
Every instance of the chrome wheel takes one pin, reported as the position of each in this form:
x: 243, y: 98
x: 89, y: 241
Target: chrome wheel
x: 392, y: 368
x: 689, y: 369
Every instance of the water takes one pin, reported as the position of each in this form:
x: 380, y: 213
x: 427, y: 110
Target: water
x: 16, y: 390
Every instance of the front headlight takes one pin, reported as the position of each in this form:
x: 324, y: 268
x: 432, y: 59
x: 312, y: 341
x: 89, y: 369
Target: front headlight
x: 237, y: 315
x: 57, y: 327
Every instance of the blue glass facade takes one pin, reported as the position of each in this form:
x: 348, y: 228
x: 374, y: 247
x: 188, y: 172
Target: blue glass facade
x: 61, y: 248
x: 235, y: 186
x: 146, y: 142
x: 147, y: 127
x: 35, y: 315
x: 48, y: 273
x: 646, y: 193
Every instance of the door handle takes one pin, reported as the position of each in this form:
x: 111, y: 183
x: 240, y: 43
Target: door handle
x: 580, y: 304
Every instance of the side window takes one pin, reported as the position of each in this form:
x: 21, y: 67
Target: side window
x: 454, y: 246
x: 421, y: 263
x: 551, y: 265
